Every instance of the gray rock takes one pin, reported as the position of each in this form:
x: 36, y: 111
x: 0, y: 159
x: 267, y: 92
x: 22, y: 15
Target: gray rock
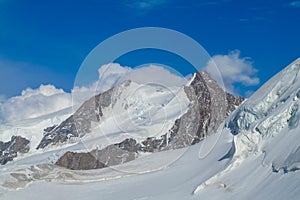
x: 211, y: 105
x: 129, y: 145
x: 151, y: 144
x: 79, y: 161
x: 109, y: 156
x: 9, y: 150
x: 113, y: 155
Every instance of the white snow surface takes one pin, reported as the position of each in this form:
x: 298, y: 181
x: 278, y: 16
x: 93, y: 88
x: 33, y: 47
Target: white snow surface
x: 32, y: 129
x: 255, y: 155
x: 139, y: 111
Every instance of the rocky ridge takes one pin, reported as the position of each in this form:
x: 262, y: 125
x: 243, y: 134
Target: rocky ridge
x: 9, y: 150
x: 210, y: 105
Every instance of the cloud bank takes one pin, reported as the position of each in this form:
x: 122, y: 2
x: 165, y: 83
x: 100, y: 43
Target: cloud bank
x: 48, y: 99
x: 35, y: 102
x: 233, y: 70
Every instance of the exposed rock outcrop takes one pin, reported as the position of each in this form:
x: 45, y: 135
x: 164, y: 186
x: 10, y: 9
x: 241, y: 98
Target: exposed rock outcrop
x: 9, y: 150
x: 211, y: 105
x: 79, y: 161
x: 109, y: 156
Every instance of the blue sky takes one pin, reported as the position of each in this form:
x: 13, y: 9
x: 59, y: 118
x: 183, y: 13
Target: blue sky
x: 46, y: 41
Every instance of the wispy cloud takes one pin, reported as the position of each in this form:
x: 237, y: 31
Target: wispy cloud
x: 233, y: 70
x: 2, y: 98
x: 201, y: 4
x: 209, y: 3
x: 145, y: 5
x: 295, y: 4
x: 18, y: 74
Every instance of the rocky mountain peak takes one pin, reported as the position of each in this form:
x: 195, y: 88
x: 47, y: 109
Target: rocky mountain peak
x: 209, y: 106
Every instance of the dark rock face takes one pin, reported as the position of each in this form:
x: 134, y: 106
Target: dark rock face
x: 209, y: 108
x: 211, y: 105
x: 109, y: 156
x: 152, y: 144
x: 49, y: 129
x: 9, y: 150
x: 233, y: 102
x: 129, y: 145
x: 113, y: 155
x: 79, y: 161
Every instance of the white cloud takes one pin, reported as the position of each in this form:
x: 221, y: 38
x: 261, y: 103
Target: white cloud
x: 45, y: 90
x: 145, y: 5
x: 2, y: 98
x: 155, y: 74
x: 35, y: 102
x: 110, y: 75
x: 48, y: 99
x: 295, y: 4
x: 18, y: 75
x: 233, y: 70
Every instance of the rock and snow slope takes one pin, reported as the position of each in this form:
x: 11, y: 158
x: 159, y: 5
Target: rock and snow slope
x: 266, y: 161
x: 132, y: 118
x: 255, y: 156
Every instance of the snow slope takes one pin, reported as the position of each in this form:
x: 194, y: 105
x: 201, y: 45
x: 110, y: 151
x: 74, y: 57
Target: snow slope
x: 32, y: 129
x: 139, y: 111
x: 175, y: 180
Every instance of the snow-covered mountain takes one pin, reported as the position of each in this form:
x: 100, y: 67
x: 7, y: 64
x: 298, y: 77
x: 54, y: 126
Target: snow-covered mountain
x: 145, y: 119
x: 253, y: 154
x: 134, y: 118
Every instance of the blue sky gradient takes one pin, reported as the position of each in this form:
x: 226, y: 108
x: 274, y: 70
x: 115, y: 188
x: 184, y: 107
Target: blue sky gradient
x: 46, y: 41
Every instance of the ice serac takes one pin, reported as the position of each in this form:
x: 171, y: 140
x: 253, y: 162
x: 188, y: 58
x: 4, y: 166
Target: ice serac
x: 269, y: 120
x: 9, y: 150
x: 209, y: 106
